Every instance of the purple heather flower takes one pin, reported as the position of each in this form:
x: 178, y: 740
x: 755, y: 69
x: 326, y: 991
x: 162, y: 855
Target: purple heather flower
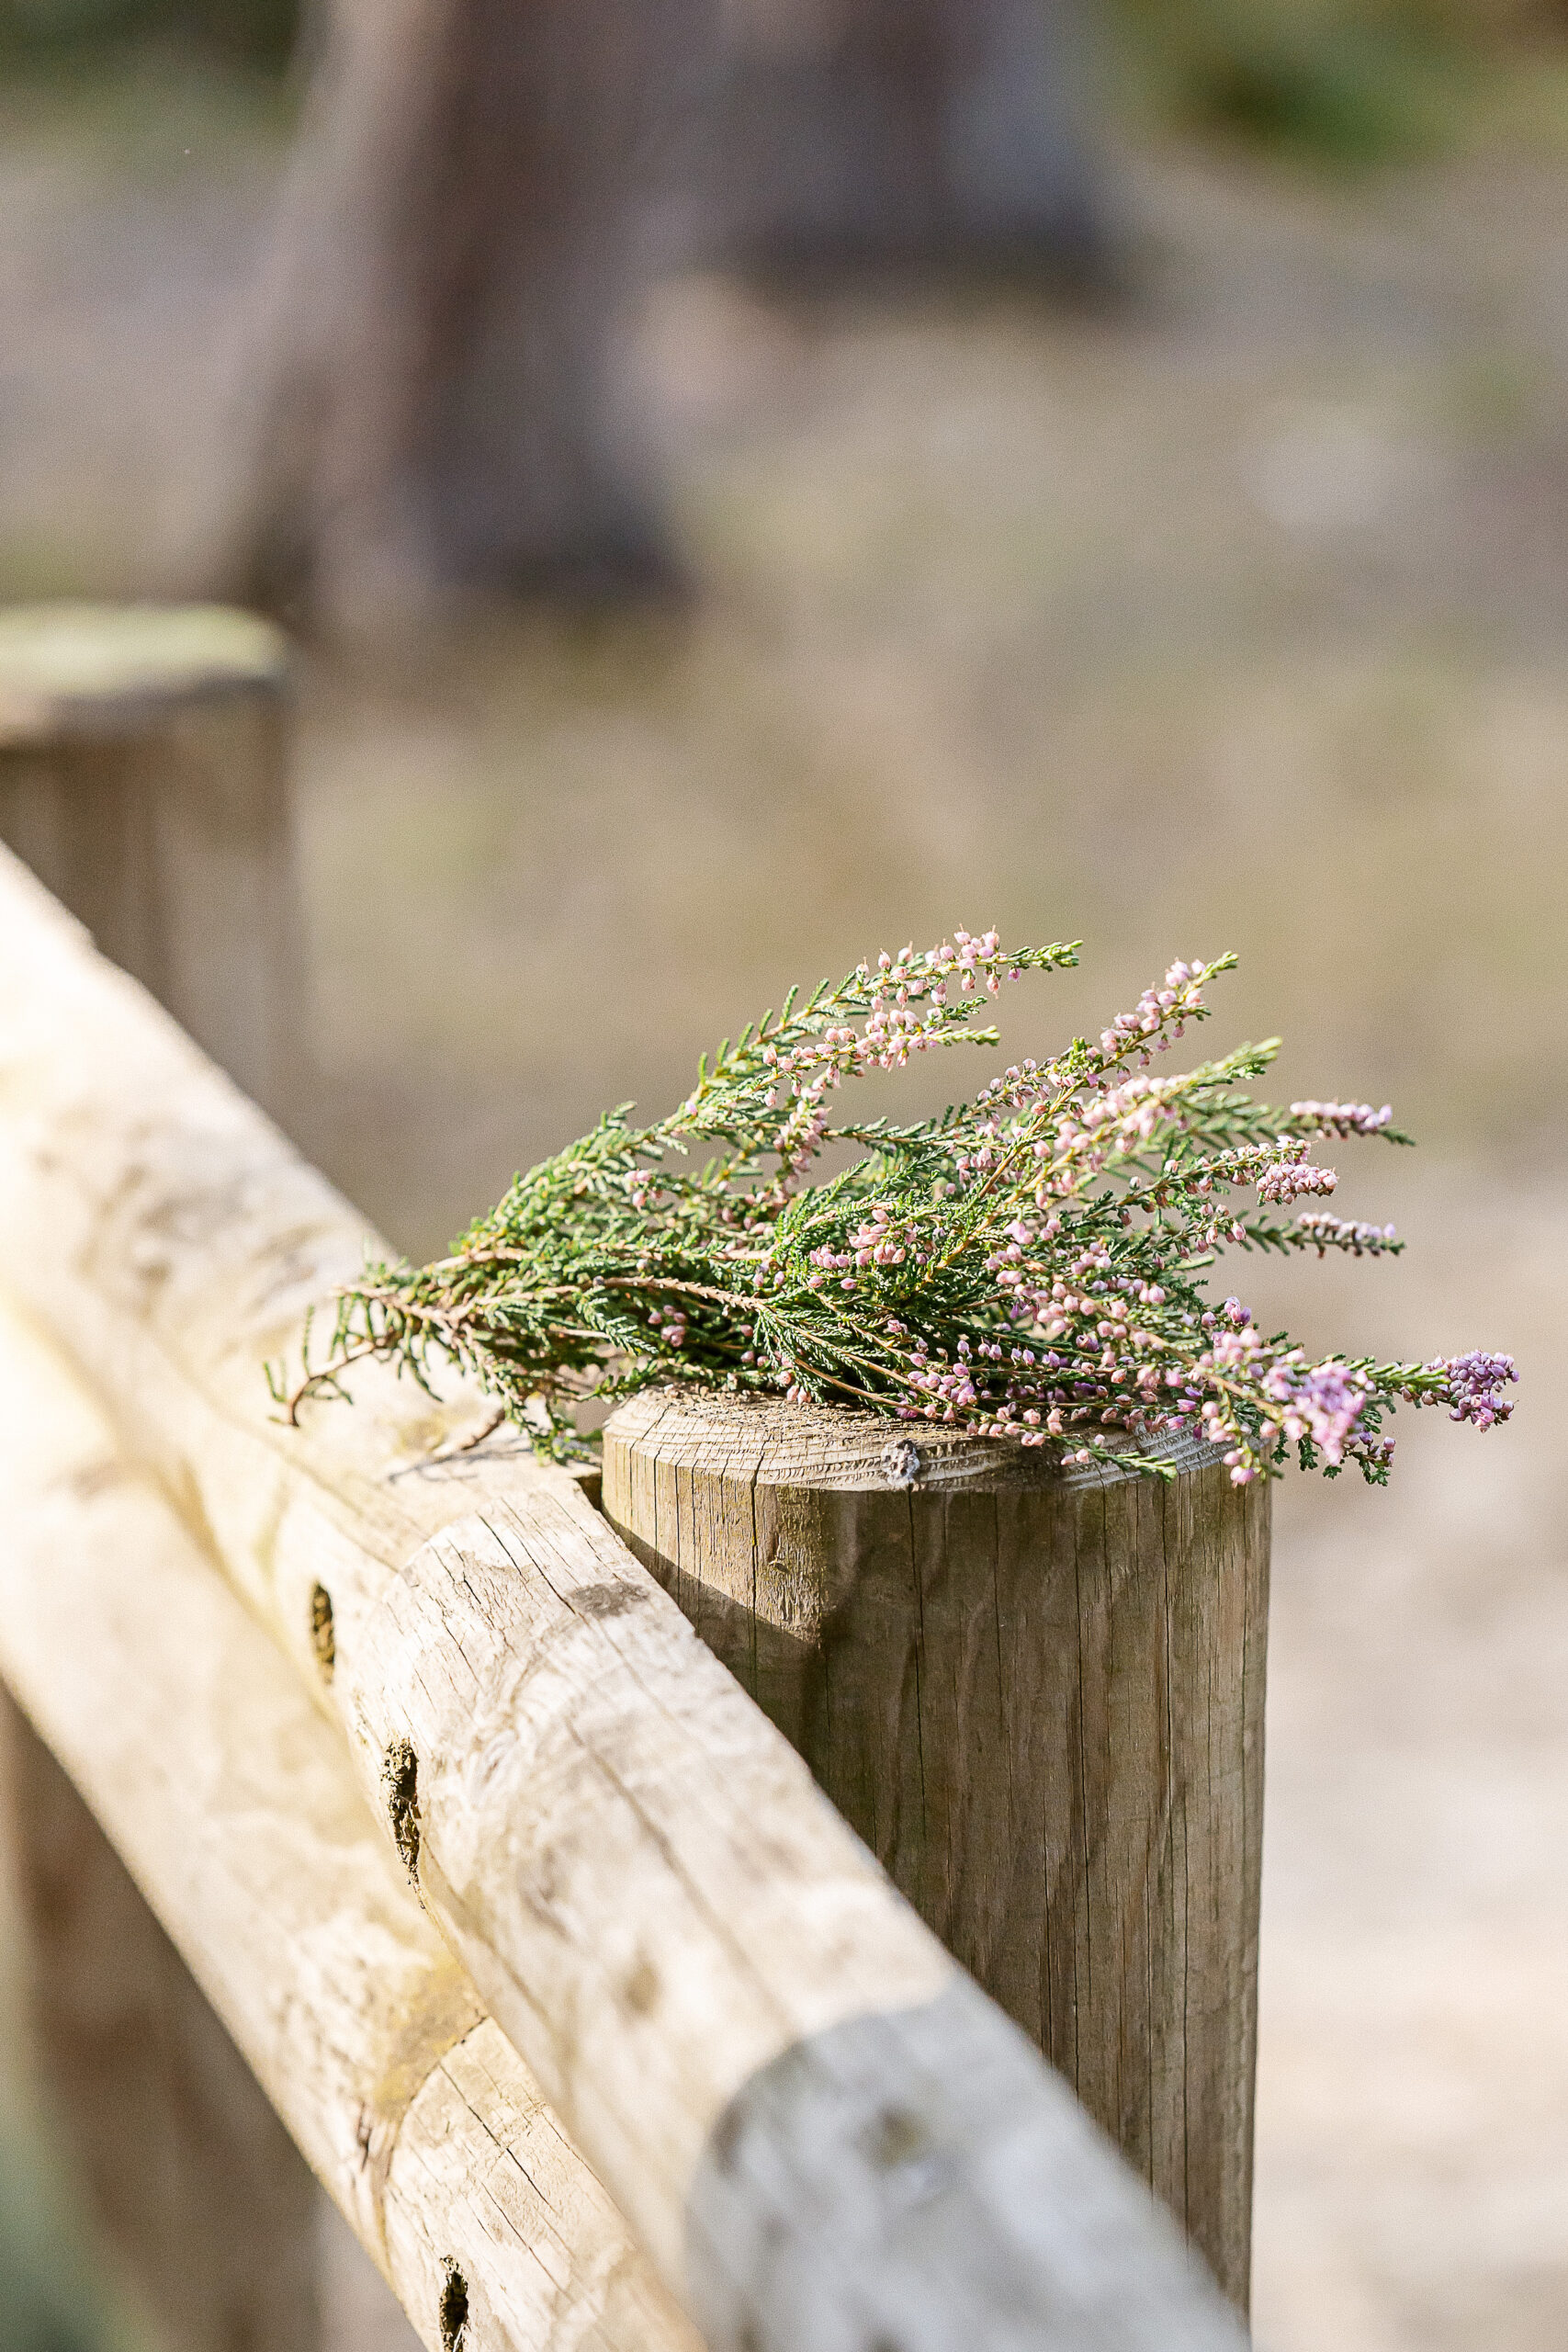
x: 1287, y: 1179
x: 1475, y: 1386
x: 1323, y: 1402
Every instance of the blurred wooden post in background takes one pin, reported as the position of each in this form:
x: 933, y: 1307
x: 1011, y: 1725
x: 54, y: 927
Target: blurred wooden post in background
x: 1038, y: 1697
x: 205, y: 2208
x: 144, y: 777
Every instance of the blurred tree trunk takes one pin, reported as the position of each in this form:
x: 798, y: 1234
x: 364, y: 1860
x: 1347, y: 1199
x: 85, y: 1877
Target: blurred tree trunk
x: 432, y: 400
x: 912, y: 132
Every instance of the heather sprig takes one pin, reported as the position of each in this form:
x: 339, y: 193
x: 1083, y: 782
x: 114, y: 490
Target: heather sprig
x: 1033, y: 1264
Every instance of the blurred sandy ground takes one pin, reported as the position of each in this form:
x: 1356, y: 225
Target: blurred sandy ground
x: 1236, y: 617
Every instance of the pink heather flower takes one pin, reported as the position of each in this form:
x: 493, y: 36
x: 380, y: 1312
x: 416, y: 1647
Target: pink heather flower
x: 1085, y: 1346
x: 1156, y: 1007
x: 1287, y: 1179
x: 1323, y: 1402
x: 1345, y: 1118
x: 1474, y: 1386
x: 1344, y: 1233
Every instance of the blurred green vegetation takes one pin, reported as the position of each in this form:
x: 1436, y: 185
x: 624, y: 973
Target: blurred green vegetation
x: 52, y: 33
x: 1344, y: 82
x: 54, y: 2296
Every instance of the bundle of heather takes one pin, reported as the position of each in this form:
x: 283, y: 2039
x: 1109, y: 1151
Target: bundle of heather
x: 1035, y: 1265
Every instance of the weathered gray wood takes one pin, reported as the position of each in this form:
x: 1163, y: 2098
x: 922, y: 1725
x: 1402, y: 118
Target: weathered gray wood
x: 230, y: 1797
x: 144, y: 777
x: 823, y: 2134
x: 1038, y: 1697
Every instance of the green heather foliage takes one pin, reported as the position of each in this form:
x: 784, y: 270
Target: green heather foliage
x: 1033, y: 1264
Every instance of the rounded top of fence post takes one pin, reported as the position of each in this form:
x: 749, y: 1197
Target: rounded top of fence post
x: 768, y: 1442
x: 83, y: 670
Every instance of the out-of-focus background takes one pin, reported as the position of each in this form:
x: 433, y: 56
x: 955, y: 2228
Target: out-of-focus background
x: 1176, y: 559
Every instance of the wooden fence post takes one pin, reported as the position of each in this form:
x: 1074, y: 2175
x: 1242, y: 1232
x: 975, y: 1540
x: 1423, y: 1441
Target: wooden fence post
x: 823, y: 2133
x: 144, y: 777
x: 1038, y: 1697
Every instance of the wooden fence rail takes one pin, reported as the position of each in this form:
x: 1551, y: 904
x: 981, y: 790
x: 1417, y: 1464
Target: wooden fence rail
x: 820, y: 2131
x: 228, y: 1794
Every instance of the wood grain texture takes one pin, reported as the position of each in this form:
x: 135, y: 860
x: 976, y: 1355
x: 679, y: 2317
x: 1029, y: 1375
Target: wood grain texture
x: 1038, y: 1696
x: 141, y: 769
x: 233, y: 1803
x: 143, y: 778
x: 651, y: 1896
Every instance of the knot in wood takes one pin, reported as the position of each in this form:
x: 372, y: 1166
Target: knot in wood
x: 902, y: 1462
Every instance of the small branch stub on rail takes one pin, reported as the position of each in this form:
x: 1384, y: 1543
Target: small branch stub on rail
x: 1038, y: 1697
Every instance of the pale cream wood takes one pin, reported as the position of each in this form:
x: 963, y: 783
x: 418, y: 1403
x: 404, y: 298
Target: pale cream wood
x: 144, y: 777
x: 1037, y: 1694
x: 771, y: 2064
x: 143, y: 774
x: 231, y: 1802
